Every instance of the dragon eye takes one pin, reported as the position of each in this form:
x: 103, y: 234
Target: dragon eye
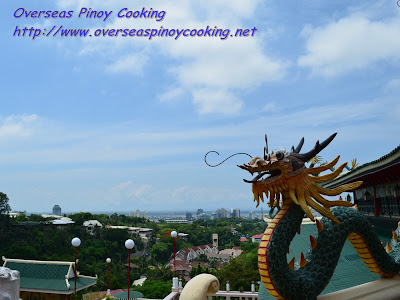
x: 279, y: 155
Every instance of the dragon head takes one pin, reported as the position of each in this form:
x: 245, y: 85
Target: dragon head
x: 285, y: 173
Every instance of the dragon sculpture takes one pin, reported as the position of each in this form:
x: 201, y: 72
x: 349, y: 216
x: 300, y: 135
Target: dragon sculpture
x: 283, y: 177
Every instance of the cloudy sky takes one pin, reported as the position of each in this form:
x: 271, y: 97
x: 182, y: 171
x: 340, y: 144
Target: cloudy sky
x: 123, y: 123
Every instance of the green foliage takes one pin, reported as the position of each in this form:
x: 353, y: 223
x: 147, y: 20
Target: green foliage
x: 249, y: 246
x: 200, y: 232
x: 202, y: 258
x: 4, y: 217
x: 162, y: 273
x: 155, y: 289
x: 46, y: 242
x: 91, y: 296
x: 4, y: 206
x: 81, y: 217
x: 36, y: 218
x: 21, y: 218
x: 199, y: 270
x: 240, y: 272
x: 161, y: 252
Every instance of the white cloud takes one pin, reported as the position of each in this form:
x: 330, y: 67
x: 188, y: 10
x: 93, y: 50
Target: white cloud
x: 352, y: 43
x: 132, y: 63
x: 393, y: 86
x: 171, y: 95
x: 17, y: 126
x: 230, y: 66
x: 216, y: 101
x: 270, y: 107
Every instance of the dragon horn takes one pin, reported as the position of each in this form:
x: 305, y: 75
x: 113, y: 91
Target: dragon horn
x: 317, y: 148
x: 298, y: 148
x: 266, y: 147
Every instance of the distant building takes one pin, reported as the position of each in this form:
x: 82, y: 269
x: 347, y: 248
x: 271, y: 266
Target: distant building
x: 15, y: 214
x: 137, y: 214
x: 221, y: 213
x: 188, y: 216
x: 200, y: 211
x: 91, y: 225
x: 180, y: 221
x: 243, y: 239
x: 62, y: 223
x: 183, y: 236
x: 215, y: 239
x: 235, y: 213
x: 57, y: 210
x: 251, y: 215
x: 189, y: 254
x: 144, y: 233
x: 257, y: 238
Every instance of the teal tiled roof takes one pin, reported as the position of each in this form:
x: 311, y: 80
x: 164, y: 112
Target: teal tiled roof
x: 47, y: 276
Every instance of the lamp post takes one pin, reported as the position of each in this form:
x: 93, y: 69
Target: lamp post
x: 108, y: 260
x: 174, y: 235
x: 175, y: 282
x: 129, y: 245
x: 76, y: 243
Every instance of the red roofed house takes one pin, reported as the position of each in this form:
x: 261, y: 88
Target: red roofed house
x: 256, y: 238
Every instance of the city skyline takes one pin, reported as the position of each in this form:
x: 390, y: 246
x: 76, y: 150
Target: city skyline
x: 123, y: 123
x: 148, y: 213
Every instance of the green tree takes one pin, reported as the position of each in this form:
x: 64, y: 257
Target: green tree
x: 154, y: 289
x: 240, y: 272
x: 163, y: 274
x: 161, y: 252
x: 21, y: 218
x: 36, y: 218
x: 4, y: 217
x: 4, y: 207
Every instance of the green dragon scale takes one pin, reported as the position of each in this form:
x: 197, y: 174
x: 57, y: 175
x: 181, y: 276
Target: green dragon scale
x: 283, y: 177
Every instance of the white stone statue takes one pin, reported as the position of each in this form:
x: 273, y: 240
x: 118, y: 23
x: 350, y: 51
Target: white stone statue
x: 199, y: 287
x: 9, y: 284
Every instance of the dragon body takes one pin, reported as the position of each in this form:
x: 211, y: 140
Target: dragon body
x: 283, y: 177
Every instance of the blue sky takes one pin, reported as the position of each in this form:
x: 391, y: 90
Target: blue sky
x: 123, y: 123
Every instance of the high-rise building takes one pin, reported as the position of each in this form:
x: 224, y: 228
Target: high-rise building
x: 137, y: 214
x: 221, y: 213
x: 57, y: 210
x: 235, y: 213
x: 188, y: 216
x: 251, y: 215
x: 200, y: 211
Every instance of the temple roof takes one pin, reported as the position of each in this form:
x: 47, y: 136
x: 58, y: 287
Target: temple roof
x: 54, y: 277
x: 383, y: 170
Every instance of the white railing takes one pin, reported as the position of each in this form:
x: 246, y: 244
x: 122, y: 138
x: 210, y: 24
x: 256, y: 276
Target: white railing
x: 220, y: 295
x: 172, y: 296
